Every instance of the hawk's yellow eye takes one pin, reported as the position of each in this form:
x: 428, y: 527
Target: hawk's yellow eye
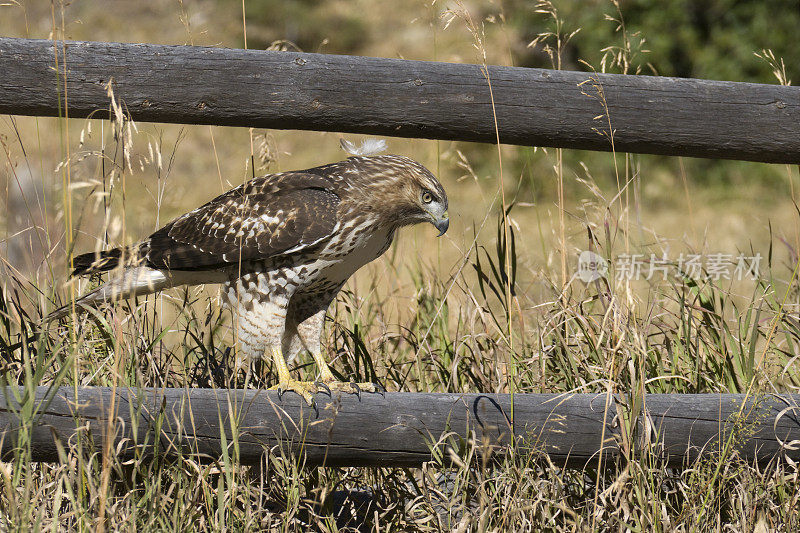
x: 427, y: 197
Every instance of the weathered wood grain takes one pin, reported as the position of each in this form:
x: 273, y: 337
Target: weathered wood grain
x: 398, y: 429
x: 304, y: 91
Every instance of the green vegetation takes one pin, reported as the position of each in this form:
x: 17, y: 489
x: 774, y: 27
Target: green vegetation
x: 494, y: 307
x: 713, y: 40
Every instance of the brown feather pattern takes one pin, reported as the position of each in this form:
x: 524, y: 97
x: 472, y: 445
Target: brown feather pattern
x: 263, y: 218
x: 273, y: 214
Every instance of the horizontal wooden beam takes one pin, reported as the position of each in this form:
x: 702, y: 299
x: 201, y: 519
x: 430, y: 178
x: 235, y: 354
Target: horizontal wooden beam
x: 394, y: 97
x: 395, y: 429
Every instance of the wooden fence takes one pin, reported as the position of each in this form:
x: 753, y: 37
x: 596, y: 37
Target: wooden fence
x: 394, y: 97
x: 402, y: 429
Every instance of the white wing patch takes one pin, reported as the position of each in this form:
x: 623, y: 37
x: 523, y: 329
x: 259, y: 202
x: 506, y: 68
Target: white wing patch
x: 271, y: 220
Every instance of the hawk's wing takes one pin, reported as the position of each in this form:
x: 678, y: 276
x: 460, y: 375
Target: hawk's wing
x: 265, y: 217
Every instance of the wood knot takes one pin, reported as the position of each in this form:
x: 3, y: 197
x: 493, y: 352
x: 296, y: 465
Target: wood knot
x: 201, y: 105
x: 315, y: 104
x: 146, y: 103
x: 300, y: 61
x: 417, y: 82
x: 780, y: 105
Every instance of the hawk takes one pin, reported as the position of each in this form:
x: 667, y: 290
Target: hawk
x: 282, y: 245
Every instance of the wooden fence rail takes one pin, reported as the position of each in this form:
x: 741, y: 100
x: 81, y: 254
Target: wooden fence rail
x: 397, y: 429
x: 394, y: 97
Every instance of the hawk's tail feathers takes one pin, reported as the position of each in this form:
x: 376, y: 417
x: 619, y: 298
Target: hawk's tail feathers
x: 95, y: 262
x: 131, y: 282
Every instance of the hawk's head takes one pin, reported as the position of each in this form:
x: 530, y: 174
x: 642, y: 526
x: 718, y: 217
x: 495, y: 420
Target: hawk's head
x: 403, y: 191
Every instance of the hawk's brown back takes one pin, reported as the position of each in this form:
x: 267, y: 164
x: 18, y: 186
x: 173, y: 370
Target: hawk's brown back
x: 264, y: 217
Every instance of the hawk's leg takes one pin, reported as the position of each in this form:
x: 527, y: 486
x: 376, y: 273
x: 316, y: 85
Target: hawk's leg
x: 306, y: 389
x: 260, y: 302
x: 309, y: 333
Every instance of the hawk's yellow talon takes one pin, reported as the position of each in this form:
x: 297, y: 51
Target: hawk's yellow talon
x: 324, y: 386
x: 351, y: 387
x: 329, y: 382
x: 306, y: 389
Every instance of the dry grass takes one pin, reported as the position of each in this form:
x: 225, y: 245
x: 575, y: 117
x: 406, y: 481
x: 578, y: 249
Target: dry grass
x: 494, y: 306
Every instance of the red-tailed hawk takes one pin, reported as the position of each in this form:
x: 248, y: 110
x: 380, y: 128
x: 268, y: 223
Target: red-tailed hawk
x: 282, y: 245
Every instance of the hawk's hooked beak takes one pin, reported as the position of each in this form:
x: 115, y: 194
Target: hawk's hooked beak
x: 442, y: 224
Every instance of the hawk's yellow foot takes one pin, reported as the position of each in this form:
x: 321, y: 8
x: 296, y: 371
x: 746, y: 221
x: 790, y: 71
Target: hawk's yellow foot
x: 306, y: 389
x: 328, y: 382
x: 346, y: 386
